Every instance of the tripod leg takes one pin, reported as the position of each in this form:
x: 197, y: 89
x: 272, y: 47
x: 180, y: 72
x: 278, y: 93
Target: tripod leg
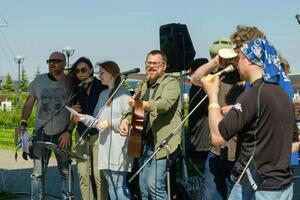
x: 70, y: 180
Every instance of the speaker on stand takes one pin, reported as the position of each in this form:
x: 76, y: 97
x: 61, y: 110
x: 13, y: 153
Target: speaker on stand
x: 176, y: 43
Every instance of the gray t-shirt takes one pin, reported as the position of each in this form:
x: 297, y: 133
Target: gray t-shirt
x: 51, y: 95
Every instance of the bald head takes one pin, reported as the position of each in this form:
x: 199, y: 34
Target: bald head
x: 57, y: 56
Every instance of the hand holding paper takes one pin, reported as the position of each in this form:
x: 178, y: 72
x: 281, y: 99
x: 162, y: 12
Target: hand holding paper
x: 72, y: 111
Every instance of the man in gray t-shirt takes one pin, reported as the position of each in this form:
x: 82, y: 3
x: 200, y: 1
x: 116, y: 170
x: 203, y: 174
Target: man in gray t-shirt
x: 50, y: 91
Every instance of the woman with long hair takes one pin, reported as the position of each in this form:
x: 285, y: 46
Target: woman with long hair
x: 92, y: 182
x: 113, y: 159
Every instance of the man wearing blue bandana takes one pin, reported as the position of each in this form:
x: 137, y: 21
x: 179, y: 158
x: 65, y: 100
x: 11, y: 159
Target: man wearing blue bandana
x: 262, y: 118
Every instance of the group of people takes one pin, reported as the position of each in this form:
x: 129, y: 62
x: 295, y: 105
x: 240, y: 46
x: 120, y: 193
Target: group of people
x: 103, y: 125
x: 247, y: 120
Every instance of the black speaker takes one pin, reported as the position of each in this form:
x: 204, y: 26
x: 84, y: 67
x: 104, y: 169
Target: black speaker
x: 176, y: 43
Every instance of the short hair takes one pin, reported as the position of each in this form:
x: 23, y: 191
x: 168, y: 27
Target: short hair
x: 243, y: 34
x: 163, y: 55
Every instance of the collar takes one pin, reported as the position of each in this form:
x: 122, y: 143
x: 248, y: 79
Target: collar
x: 158, y: 81
x: 257, y: 82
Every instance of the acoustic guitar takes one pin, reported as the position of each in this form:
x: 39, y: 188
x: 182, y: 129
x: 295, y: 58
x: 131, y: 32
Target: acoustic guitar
x: 137, y: 123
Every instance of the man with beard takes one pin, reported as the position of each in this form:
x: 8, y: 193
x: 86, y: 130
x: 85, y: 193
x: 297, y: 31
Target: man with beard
x: 50, y: 91
x: 160, y: 99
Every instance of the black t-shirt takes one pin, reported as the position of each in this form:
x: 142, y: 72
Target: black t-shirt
x: 274, y: 133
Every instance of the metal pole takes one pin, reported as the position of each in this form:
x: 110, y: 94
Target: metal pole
x: 19, y: 60
x: 68, y: 51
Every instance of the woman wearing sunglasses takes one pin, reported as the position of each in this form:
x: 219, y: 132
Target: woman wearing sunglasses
x: 87, y: 94
x: 113, y: 159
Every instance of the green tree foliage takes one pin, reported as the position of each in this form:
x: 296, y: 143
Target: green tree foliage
x: 23, y: 81
x: 8, y: 84
x: 11, y: 119
x: 38, y: 72
x: 126, y: 85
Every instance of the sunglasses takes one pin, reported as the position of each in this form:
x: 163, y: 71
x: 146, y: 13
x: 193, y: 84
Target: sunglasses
x: 82, y: 70
x: 54, y: 61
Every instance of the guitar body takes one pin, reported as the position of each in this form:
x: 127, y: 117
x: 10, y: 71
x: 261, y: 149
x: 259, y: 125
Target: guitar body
x: 135, y: 138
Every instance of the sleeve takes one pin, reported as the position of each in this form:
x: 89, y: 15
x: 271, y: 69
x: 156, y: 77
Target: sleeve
x: 32, y: 87
x: 122, y: 107
x: 241, y: 115
x: 169, y: 96
x: 90, y: 120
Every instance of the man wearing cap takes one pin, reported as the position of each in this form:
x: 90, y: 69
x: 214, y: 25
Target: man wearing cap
x: 50, y: 91
x: 262, y: 118
x: 220, y: 160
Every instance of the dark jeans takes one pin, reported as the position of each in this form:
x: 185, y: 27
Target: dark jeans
x: 62, y: 164
x: 217, y: 182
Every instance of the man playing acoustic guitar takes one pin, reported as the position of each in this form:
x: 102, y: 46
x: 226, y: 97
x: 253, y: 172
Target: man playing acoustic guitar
x: 160, y: 99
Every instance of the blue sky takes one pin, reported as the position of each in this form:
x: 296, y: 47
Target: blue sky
x: 124, y: 31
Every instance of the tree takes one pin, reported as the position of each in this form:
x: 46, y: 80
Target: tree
x: 38, y: 72
x: 23, y: 81
x: 8, y: 83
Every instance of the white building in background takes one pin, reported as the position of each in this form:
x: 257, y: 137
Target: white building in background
x: 6, y: 105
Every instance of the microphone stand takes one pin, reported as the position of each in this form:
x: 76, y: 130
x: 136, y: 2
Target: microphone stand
x: 123, y: 77
x: 164, y: 143
x: 47, y: 121
x: 40, y: 130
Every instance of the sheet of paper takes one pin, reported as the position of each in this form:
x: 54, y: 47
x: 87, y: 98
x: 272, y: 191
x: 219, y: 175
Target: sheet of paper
x: 74, y: 112
x: 25, y: 142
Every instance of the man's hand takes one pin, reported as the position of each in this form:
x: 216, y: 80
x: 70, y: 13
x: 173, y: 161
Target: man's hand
x: 225, y: 109
x: 64, y: 140
x: 210, y: 84
x: 124, y: 127
x: 136, y: 103
x: 20, y: 130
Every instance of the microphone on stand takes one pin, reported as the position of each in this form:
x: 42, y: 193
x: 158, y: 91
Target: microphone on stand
x: 132, y: 71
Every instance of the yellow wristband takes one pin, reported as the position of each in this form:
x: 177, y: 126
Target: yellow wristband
x: 24, y: 120
x: 105, y: 124
x: 213, y: 105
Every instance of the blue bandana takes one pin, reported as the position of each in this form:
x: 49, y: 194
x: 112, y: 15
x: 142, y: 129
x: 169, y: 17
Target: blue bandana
x: 263, y: 54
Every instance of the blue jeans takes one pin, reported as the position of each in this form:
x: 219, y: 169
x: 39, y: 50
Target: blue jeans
x: 217, y: 182
x: 283, y: 194
x: 62, y: 164
x: 152, y: 179
x: 117, y: 184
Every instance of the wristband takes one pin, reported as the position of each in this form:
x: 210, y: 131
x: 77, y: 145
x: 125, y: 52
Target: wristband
x: 24, y: 123
x: 213, y: 105
x: 105, y: 124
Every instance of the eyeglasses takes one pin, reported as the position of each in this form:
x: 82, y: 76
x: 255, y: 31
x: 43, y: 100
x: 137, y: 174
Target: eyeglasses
x: 82, y: 70
x: 237, y: 48
x: 53, y: 61
x: 154, y: 64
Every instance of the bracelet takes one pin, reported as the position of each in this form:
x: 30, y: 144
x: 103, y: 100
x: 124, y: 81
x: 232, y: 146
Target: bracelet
x: 24, y: 120
x: 213, y: 105
x: 105, y: 124
x: 24, y: 123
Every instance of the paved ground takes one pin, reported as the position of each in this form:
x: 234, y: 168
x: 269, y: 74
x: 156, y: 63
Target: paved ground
x: 15, y: 176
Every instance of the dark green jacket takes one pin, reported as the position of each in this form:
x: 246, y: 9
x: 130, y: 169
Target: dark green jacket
x: 165, y: 112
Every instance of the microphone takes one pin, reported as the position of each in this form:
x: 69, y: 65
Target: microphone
x: 132, y: 71
x: 228, y: 69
